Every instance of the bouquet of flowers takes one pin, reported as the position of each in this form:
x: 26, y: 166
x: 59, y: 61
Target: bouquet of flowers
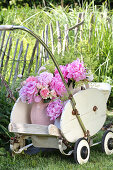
x: 34, y: 89
x: 50, y: 88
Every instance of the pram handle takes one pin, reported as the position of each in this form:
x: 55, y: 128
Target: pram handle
x: 6, y: 27
x: 13, y: 27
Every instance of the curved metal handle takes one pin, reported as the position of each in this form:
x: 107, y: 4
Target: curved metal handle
x: 12, y: 27
x: 6, y: 27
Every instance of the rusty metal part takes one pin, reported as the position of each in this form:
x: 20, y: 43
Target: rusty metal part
x: 83, y: 88
x: 70, y: 96
x: 75, y: 112
x: 68, y: 144
x: 95, y: 108
x: 107, y: 126
x: 87, y: 134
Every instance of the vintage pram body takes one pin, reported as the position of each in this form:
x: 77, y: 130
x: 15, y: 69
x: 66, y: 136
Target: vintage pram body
x: 70, y: 130
x: 76, y: 129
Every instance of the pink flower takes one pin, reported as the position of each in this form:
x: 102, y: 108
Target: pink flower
x: 27, y: 92
x: 44, y: 93
x: 23, y: 94
x: 76, y: 70
x: 53, y: 93
x: 45, y: 78
x: 46, y: 86
x: 39, y: 86
x: 31, y: 78
x: 55, y: 109
x: 41, y: 68
x: 64, y: 72
x: 31, y: 87
x: 58, y: 86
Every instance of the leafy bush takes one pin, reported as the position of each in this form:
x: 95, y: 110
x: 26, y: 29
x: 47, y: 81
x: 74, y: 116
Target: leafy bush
x: 5, y: 109
x: 35, y: 3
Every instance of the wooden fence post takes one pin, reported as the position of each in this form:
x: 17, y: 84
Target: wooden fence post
x: 24, y: 64
x: 13, y: 60
x: 3, y: 54
x: 32, y: 57
x: 46, y: 42
x: 7, y: 59
x: 2, y: 42
x: 66, y: 39
x: 52, y: 39
x: 17, y: 64
x: 41, y: 50
x: 59, y: 37
x: 37, y: 56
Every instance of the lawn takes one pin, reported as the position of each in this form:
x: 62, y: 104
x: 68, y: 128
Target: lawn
x: 55, y: 160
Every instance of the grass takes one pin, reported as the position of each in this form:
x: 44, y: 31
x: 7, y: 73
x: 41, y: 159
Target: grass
x: 54, y: 160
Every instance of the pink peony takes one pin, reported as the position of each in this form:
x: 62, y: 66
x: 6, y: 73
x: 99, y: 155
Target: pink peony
x: 58, y: 86
x: 27, y: 92
x: 45, y: 78
x: 55, y: 109
x: 46, y: 86
x: 31, y: 78
x: 23, y: 94
x: 64, y: 72
x: 76, y: 70
x: 39, y: 86
x: 31, y: 87
x: 44, y: 93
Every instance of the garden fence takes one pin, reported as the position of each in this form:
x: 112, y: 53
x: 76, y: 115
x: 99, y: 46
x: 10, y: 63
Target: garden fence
x: 21, y: 62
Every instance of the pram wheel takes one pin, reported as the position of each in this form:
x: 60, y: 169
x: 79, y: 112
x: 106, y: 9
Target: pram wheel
x: 81, y: 151
x: 107, y: 142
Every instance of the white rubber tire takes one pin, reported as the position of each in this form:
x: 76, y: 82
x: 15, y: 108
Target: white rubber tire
x: 80, y: 145
x: 107, y: 142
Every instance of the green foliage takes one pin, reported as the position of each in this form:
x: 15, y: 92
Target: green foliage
x: 5, y: 109
x: 35, y: 3
x: 96, y: 52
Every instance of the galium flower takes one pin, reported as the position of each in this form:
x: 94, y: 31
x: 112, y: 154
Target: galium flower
x: 89, y: 76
